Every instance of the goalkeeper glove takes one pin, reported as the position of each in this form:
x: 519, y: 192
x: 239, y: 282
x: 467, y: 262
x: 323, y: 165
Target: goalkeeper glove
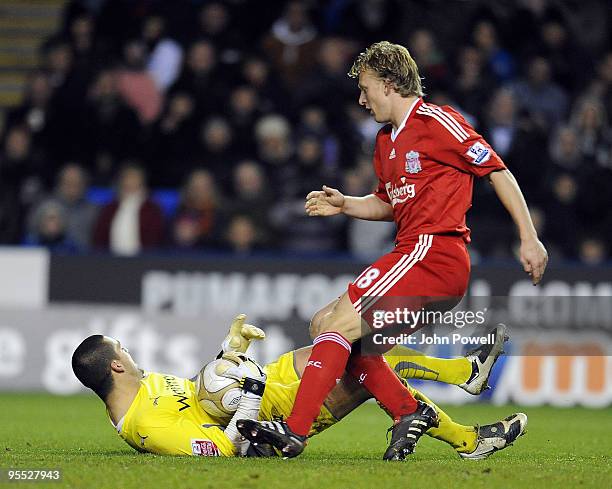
x: 244, y: 367
x: 240, y: 335
x: 253, y: 382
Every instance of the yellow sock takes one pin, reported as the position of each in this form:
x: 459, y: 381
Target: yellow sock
x: 412, y: 364
x: 462, y: 438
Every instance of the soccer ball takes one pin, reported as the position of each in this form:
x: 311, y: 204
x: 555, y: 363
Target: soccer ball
x: 217, y: 395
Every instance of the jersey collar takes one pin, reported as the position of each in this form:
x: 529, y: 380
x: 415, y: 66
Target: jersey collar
x: 394, y: 133
x: 117, y: 426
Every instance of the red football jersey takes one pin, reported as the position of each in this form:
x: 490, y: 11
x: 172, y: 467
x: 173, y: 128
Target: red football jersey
x: 426, y: 170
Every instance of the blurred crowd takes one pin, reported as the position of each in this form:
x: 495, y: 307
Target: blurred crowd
x: 242, y: 107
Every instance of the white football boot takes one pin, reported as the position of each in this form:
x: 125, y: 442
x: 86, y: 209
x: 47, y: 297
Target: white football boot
x: 483, y: 358
x: 497, y: 436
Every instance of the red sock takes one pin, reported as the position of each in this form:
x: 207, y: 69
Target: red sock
x: 326, y: 364
x: 374, y: 373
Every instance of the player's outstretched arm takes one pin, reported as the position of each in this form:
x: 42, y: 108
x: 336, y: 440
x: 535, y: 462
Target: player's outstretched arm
x: 330, y: 201
x: 533, y: 255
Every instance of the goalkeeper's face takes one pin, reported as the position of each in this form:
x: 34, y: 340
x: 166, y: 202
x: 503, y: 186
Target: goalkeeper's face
x: 124, y: 359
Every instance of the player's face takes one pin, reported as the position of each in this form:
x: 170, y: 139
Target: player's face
x: 125, y: 359
x: 373, y: 96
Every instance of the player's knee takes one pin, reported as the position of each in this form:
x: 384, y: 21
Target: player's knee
x: 351, y: 330
x: 315, y: 324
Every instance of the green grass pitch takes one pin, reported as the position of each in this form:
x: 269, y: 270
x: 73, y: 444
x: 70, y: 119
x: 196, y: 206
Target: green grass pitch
x: 563, y: 448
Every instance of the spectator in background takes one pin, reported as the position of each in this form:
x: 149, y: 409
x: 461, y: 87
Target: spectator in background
x: 521, y: 143
x: 136, y: 85
x: 49, y: 229
x: 257, y: 73
x: 583, y: 150
x: 242, y: 113
x: 474, y: 82
x: 313, y: 122
x: 17, y: 183
x: 10, y: 216
x: 215, y: 24
x: 111, y: 130
x: 173, y: 148
x: 497, y: 59
x: 274, y: 150
x: 367, y: 21
x: 78, y: 214
x: 311, y: 170
x: 291, y: 44
x: 602, y: 85
x: 252, y: 195
x: 295, y: 232
x: 20, y: 166
x: 328, y: 85
x: 564, y: 150
x: 429, y: 59
x: 561, y: 202
x: 36, y: 114
x: 366, y: 239
x: 569, y: 66
x: 68, y: 93
x: 537, y: 94
x: 165, y: 54
x: 132, y: 222
x: 242, y: 237
x: 69, y: 82
x: 592, y: 251
x: 200, y: 78
x: 594, y: 137
x: 217, y: 150
x: 82, y: 40
x: 199, y: 218
x: 364, y: 128
x: 501, y: 124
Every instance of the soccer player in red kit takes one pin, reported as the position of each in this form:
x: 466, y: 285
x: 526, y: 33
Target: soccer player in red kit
x: 426, y: 160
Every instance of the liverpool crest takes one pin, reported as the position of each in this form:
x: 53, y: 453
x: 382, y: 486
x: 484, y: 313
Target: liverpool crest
x: 413, y: 164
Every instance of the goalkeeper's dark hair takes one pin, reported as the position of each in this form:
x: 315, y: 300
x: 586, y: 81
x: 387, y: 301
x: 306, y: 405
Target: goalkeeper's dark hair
x: 91, y: 364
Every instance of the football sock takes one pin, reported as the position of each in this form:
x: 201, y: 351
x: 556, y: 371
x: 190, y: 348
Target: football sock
x: 412, y: 364
x: 462, y: 438
x: 324, y: 369
x: 373, y: 372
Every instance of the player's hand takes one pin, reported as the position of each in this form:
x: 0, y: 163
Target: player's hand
x: 240, y: 335
x: 245, y: 368
x: 534, y: 258
x: 326, y: 202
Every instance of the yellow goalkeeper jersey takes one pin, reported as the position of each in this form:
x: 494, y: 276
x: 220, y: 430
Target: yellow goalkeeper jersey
x: 165, y: 417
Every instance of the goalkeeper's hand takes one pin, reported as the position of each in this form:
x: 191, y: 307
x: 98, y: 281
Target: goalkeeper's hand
x: 246, y: 368
x: 240, y: 335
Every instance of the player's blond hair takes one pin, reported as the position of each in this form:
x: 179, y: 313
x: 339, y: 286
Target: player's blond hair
x: 390, y: 62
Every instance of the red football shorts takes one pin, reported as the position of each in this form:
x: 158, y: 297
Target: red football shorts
x: 430, y: 269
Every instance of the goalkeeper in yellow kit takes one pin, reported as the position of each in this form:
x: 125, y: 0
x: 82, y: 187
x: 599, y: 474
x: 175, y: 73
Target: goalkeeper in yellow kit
x: 160, y: 413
